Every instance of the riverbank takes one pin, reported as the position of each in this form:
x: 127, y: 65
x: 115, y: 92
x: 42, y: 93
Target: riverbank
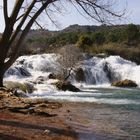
x: 70, y: 121
x: 23, y: 118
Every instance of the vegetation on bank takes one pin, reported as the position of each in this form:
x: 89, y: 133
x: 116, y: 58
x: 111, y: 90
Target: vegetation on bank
x: 123, y: 40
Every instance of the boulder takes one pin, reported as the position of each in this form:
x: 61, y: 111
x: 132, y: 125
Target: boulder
x: 80, y: 75
x: 65, y: 85
x: 19, y: 93
x: 124, y: 83
x: 24, y: 87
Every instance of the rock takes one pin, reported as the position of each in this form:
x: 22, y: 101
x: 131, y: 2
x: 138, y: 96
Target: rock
x: 64, y: 85
x: 47, y: 131
x: 21, y: 61
x: 19, y: 93
x: 51, y: 76
x: 35, y: 109
x: 20, y: 71
x: 80, y: 75
x: 109, y: 73
x: 88, y: 55
x: 16, y: 104
x: 124, y: 83
x: 40, y: 80
x: 25, y: 87
x: 23, y: 71
x: 30, y: 87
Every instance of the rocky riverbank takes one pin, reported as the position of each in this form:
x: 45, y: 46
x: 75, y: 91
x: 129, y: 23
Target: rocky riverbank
x: 23, y: 118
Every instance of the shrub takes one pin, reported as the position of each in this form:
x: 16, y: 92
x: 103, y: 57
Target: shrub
x: 84, y: 42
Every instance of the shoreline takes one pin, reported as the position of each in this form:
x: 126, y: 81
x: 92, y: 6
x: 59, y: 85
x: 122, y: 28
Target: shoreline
x: 72, y: 121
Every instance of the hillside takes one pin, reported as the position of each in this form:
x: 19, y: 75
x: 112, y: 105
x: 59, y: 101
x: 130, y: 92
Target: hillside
x: 123, y: 40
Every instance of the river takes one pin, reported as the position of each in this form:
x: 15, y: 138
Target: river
x: 103, y: 111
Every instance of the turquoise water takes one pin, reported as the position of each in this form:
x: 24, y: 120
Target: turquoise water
x: 125, y: 98
x: 128, y: 98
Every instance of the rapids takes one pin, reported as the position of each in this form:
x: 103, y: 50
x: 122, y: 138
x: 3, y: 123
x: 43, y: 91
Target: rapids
x: 99, y: 73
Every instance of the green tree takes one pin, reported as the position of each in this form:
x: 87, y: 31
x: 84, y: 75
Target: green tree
x: 132, y: 33
x: 84, y: 42
x: 113, y: 37
x: 25, y: 13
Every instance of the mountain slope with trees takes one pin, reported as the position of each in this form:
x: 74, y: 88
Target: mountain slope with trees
x: 123, y: 40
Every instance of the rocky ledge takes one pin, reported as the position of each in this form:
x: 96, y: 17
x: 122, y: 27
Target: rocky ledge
x: 9, y: 101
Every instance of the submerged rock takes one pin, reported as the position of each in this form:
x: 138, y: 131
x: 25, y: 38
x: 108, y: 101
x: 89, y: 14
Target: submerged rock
x: 124, y: 83
x: 64, y: 85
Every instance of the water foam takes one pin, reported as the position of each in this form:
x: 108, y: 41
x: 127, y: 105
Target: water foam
x: 98, y: 71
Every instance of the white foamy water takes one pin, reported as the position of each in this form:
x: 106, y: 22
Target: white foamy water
x: 99, y: 73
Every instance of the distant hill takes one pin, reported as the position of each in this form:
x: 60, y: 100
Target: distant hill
x: 76, y: 28
x: 112, y: 40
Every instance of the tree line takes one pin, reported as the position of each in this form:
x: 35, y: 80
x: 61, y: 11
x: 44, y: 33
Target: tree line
x: 123, y: 40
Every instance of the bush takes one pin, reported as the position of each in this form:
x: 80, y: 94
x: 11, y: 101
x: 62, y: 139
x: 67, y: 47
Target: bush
x: 84, y: 42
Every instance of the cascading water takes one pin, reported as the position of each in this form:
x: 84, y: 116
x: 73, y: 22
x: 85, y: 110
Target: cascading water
x: 120, y: 106
x: 97, y: 71
x: 107, y: 70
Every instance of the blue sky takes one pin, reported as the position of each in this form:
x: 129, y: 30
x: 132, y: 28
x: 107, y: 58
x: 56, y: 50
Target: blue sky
x: 73, y: 17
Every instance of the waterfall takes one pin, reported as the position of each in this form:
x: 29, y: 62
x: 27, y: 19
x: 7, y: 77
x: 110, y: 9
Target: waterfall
x: 112, y: 68
x: 97, y: 71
